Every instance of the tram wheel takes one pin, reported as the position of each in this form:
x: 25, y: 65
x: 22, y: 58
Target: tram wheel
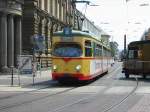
x: 126, y: 75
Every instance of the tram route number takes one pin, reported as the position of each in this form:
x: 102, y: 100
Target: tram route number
x: 66, y: 39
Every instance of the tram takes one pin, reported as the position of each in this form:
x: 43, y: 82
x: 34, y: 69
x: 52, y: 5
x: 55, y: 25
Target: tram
x: 79, y: 56
x: 137, y: 61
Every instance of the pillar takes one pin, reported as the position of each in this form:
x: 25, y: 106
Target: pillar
x: 10, y: 41
x: 3, y: 42
x: 18, y: 38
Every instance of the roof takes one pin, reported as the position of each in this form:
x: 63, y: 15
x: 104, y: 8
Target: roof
x: 74, y: 33
x: 140, y: 42
x: 77, y: 33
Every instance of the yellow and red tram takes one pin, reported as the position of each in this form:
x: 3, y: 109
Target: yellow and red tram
x: 78, y: 56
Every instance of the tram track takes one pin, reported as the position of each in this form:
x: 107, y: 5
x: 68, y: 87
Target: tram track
x: 17, y: 104
x: 122, y: 100
x: 87, y: 98
x: 28, y: 92
x: 61, y: 108
x: 20, y: 94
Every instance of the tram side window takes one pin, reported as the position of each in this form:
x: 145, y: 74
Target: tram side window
x: 100, y: 51
x: 104, y: 52
x: 133, y: 54
x: 108, y: 53
x: 88, y: 48
x: 97, y: 50
x: 88, y: 52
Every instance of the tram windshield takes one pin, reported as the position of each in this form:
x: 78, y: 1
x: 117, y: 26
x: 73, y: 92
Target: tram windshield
x: 67, y: 50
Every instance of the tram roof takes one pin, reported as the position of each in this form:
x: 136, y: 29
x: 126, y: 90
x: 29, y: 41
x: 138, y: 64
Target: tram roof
x: 78, y: 33
x: 140, y: 42
x: 75, y: 33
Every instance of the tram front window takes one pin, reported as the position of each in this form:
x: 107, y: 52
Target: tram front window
x: 67, y: 50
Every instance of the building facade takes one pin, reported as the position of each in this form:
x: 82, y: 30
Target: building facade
x: 114, y: 50
x: 40, y: 19
x: 84, y: 24
x: 10, y: 33
x: 43, y: 17
x: 146, y: 35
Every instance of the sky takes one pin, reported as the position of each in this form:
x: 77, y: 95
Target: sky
x: 118, y: 17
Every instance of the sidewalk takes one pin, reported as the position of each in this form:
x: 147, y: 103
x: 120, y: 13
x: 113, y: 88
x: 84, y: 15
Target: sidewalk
x: 42, y: 79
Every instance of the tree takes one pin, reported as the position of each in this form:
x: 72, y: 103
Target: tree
x: 114, y: 49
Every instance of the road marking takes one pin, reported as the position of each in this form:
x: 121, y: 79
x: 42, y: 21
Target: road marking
x: 15, y: 89
x: 88, y: 89
x: 119, y: 90
x: 84, y: 89
x: 143, y: 90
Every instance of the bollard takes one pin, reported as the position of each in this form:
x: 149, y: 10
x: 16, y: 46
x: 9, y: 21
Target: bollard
x: 12, y: 76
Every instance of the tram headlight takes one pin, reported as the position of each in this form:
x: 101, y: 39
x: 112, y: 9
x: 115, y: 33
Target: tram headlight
x: 54, y: 67
x: 78, y: 67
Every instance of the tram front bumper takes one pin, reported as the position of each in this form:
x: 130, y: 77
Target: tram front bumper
x: 77, y: 76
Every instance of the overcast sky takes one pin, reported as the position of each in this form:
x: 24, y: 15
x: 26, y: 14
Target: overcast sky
x: 117, y: 17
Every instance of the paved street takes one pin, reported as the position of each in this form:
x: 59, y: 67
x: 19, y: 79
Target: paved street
x: 110, y: 93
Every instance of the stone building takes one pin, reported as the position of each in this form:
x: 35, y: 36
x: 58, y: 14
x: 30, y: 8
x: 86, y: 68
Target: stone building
x: 43, y: 17
x: 10, y: 33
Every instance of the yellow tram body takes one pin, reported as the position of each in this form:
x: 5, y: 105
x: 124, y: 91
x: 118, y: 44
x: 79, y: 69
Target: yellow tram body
x: 74, y: 56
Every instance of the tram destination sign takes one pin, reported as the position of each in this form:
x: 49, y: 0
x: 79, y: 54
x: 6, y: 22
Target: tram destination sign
x: 67, y: 34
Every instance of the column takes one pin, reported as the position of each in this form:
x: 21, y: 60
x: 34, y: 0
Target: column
x: 10, y: 41
x: 18, y: 37
x: 43, y: 26
x: 3, y: 42
x: 46, y: 37
x: 49, y: 34
x: 0, y: 41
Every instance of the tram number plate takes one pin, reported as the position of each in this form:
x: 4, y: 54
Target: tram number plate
x: 67, y: 39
